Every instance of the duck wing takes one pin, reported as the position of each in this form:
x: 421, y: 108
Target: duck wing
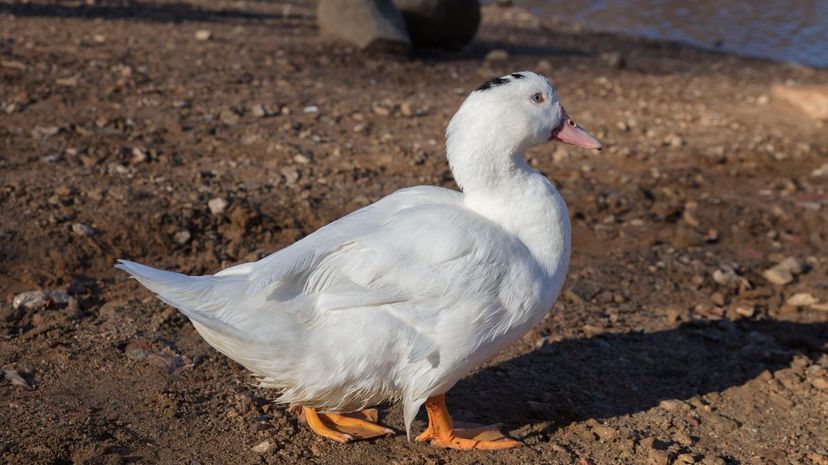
x: 418, y: 254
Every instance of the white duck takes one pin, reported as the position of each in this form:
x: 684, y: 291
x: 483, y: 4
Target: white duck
x: 402, y: 298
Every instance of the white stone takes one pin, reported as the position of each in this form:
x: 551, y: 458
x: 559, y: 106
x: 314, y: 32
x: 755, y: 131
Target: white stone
x: 263, y: 447
x: 38, y: 299
x: 203, y: 35
x: 217, y: 205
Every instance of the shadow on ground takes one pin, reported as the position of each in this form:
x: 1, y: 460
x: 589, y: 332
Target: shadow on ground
x: 144, y: 11
x: 618, y: 374
x: 480, y: 47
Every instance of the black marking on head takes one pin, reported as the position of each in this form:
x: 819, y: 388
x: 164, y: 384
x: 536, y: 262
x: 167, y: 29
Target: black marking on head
x: 492, y: 83
x: 518, y: 76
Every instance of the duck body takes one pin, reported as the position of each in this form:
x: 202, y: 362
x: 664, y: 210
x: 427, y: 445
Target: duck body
x: 398, y: 300
x: 364, y: 310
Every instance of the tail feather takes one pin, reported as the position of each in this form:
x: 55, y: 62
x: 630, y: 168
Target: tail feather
x: 204, y: 299
x: 237, y: 325
x: 219, y: 302
x: 161, y: 282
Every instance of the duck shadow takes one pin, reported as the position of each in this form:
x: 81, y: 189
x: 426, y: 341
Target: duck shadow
x: 174, y: 12
x: 478, y: 49
x: 617, y: 374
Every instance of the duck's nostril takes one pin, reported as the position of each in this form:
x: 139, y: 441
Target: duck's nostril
x: 570, y: 123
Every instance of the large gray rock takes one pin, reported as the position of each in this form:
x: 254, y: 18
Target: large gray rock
x: 370, y: 25
x: 449, y: 24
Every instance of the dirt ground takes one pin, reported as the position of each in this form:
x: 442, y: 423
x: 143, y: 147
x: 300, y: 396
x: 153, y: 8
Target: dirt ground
x: 119, y: 129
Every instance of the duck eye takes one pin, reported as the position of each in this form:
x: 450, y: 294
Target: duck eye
x: 537, y: 97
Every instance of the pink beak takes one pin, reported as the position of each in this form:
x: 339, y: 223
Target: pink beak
x: 571, y: 133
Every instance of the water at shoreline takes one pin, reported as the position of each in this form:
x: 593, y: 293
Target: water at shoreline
x: 788, y: 31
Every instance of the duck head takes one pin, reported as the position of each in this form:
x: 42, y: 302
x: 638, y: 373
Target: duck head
x: 503, y: 118
x: 525, y: 108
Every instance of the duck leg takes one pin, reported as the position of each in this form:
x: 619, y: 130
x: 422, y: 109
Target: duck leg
x: 441, y: 431
x: 344, y: 428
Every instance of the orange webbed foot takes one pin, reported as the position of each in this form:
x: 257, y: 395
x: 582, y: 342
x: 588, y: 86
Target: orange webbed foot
x: 344, y: 427
x: 441, y: 432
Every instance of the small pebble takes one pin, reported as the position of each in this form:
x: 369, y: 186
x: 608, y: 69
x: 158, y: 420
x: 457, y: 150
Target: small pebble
x: 605, y: 433
x: 15, y: 378
x: 258, y: 110
x: 203, y: 35
x: 380, y: 109
x: 802, y: 299
x: 217, y: 205
x: 778, y: 275
x: 675, y: 140
x: 684, y: 459
x: 34, y: 300
x: 67, y: 81
x: 263, y: 447
x: 745, y: 310
x: 40, y: 132
x: 82, y: 230
x: 670, y: 405
x: 139, y: 155
x: 821, y: 171
x: 792, y: 264
x: 497, y: 55
x: 183, y: 236
x: 291, y: 174
x: 229, y: 117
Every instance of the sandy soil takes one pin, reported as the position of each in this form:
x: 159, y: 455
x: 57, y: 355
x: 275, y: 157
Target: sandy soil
x: 118, y: 127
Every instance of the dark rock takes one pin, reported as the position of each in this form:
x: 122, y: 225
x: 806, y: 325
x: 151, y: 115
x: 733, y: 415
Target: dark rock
x: 449, y: 24
x: 370, y: 25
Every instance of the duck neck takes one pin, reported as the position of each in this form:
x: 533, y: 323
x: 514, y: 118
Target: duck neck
x: 509, y: 192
